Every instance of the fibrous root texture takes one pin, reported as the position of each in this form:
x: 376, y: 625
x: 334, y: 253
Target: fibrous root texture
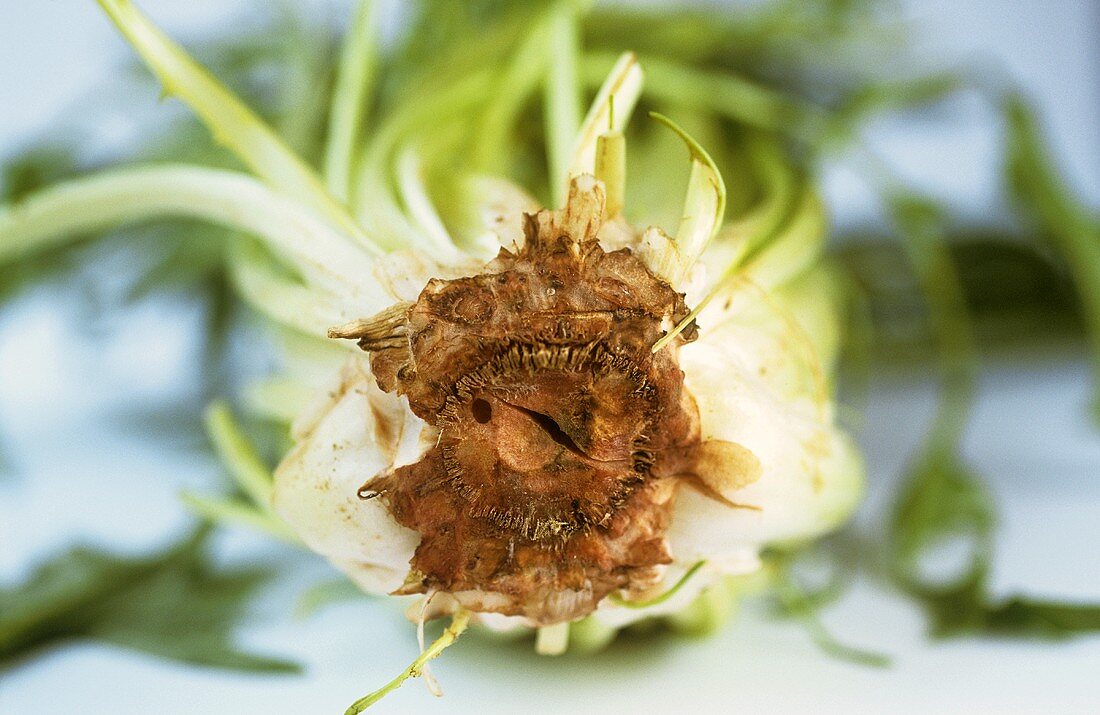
x: 561, y: 435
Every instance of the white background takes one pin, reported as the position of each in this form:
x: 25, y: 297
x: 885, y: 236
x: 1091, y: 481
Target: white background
x: 78, y: 477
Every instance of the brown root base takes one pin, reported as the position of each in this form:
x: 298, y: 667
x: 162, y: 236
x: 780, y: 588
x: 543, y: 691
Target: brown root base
x: 560, y: 431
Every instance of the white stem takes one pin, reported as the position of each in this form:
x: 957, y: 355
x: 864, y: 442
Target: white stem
x: 419, y: 205
x: 552, y: 640
x: 111, y: 199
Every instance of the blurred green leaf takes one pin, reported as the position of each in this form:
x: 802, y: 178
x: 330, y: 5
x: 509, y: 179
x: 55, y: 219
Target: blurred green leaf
x: 1045, y: 198
x: 853, y: 109
x: 965, y: 609
x: 174, y: 605
x: 1018, y: 295
x: 36, y: 168
x: 942, y: 501
x: 317, y: 597
x: 805, y: 605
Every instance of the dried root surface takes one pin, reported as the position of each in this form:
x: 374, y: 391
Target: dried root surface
x: 560, y: 433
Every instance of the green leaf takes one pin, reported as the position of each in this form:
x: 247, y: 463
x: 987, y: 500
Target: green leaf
x: 1044, y: 197
x: 521, y: 76
x: 1018, y: 293
x: 609, y: 112
x: 238, y: 454
x: 307, y: 63
x: 943, y: 500
x: 920, y: 224
x: 251, y: 477
x: 705, y: 202
x: 723, y: 92
x: 806, y: 606
x: 317, y: 597
x: 232, y: 123
x: 269, y: 289
x: 1022, y: 615
x: 876, y: 96
x: 174, y: 605
x: 36, y: 168
x: 224, y: 511
x: 790, y: 251
x: 802, y: 606
x: 965, y: 609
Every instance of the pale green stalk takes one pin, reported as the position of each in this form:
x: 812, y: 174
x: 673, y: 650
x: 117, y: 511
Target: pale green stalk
x: 238, y: 455
x: 795, y: 248
x: 303, y: 91
x: 724, y: 93
x: 375, y: 202
x: 610, y: 168
x: 232, y: 199
x: 459, y: 622
x: 279, y: 399
x: 279, y: 298
x: 609, y: 113
x: 232, y: 123
x: 418, y: 203
x: 351, y: 99
x: 562, y: 96
x: 227, y: 511
x: 704, y: 210
x: 778, y: 185
x: 663, y: 597
x: 249, y: 473
x: 792, y: 251
x: 517, y: 83
x: 552, y: 640
x: 704, y: 205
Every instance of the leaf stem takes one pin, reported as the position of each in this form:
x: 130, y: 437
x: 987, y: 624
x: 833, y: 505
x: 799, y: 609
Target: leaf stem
x: 459, y: 622
x: 350, y: 99
x: 658, y: 600
x: 238, y: 454
x: 231, y: 122
x: 228, y: 511
x: 228, y: 198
